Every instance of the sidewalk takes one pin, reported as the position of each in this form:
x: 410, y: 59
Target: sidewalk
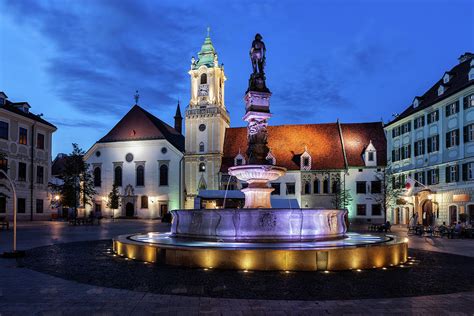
x: 26, y: 292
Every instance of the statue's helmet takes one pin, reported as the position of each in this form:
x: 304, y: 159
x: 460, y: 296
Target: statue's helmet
x: 258, y: 37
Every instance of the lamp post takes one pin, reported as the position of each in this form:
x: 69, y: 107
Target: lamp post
x: 14, y: 253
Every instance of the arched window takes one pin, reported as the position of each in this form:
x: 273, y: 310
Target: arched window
x: 202, y: 167
x: 201, y: 147
x: 163, y: 175
x: 144, y: 201
x: 118, y: 176
x: 203, y: 79
x: 316, y: 186
x: 326, y: 186
x: 97, y: 177
x: 306, y: 188
x: 140, y: 176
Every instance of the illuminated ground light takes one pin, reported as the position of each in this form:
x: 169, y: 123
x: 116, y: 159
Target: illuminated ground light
x: 384, y: 268
x: 286, y: 271
x: 246, y: 271
x: 206, y: 269
x: 326, y: 271
x: 359, y: 270
x: 402, y: 266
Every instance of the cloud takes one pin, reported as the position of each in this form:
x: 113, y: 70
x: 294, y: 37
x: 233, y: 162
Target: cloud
x: 105, y: 50
x: 78, y: 123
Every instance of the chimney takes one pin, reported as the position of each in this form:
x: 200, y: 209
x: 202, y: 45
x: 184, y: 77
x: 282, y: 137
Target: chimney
x: 465, y: 56
x: 178, y: 120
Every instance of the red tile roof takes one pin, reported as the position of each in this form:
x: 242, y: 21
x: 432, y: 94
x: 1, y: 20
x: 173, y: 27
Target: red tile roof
x: 139, y: 124
x: 323, y: 142
x: 357, y: 137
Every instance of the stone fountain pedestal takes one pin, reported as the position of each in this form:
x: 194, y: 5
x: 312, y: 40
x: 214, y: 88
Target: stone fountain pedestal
x: 257, y: 194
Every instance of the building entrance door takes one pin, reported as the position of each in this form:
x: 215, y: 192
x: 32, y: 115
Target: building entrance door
x: 453, y: 214
x: 129, y: 209
x: 427, y: 213
x: 163, y: 209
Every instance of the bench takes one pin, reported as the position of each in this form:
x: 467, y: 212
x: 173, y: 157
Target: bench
x: 4, y: 223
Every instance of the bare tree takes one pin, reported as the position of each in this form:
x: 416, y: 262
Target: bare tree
x: 391, y: 190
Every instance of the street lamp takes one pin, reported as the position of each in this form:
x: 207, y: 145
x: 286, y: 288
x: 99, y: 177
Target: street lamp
x: 14, y: 253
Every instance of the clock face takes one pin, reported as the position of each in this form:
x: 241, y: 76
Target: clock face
x: 203, y: 90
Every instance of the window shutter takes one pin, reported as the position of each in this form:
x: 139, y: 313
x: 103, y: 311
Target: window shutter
x: 457, y: 172
x: 447, y: 110
x: 437, y: 143
x: 423, y: 120
x: 393, y: 155
x: 429, y: 145
x: 465, y: 138
x: 457, y: 106
x: 409, y: 151
x: 465, y: 102
x: 464, y: 172
x: 447, y: 140
x: 409, y: 126
x: 423, y: 147
x: 457, y: 137
x: 416, y: 149
x: 428, y: 174
x: 448, y: 175
x: 393, y: 133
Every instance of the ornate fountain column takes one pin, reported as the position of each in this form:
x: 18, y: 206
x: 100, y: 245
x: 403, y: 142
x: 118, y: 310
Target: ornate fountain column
x: 259, y: 170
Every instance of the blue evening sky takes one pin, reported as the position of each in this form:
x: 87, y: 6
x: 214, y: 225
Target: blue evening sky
x: 80, y: 62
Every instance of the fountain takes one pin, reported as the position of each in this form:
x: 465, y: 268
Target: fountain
x: 260, y: 237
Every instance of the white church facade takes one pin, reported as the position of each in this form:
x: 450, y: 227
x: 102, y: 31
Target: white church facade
x: 144, y: 157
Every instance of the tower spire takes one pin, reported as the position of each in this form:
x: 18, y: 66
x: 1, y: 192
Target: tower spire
x: 208, y: 31
x: 136, y: 97
x: 178, y: 120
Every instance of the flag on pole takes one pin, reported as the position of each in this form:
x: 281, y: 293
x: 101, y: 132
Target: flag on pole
x: 409, y: 185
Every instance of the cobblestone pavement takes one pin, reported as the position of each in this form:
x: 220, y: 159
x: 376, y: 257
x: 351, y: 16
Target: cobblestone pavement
x: 26, y: 292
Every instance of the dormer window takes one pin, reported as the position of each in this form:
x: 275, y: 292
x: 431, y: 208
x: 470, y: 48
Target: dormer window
x: 201, y: 147
x: 370, y: 155
x: 239, y: 160
x: 446, y: 78
x: 471, y: 72
x: 416, y: 102
x: 305, y: 163
x: 441, y: 90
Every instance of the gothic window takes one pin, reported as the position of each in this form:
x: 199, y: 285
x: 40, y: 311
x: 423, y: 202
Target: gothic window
x: 201, y: 147
x: 238, y: 162
x: 306, y: 188
x: 140, y: 176
x: 202, y: 167
x: 203, y: 79
x: 118, y: 176
x: 326, y: 186
x: 144, y: 201
x: 163, y: 175
x: 335, y: 187
x: 316, y: 186
x: 97, y: 177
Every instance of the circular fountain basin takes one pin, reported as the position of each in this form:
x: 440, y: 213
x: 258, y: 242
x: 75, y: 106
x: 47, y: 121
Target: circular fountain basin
x: 356, y: 251
x: 262, y: 225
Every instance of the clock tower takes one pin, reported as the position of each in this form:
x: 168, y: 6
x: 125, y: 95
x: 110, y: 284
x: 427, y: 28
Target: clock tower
x: 206, y: 121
